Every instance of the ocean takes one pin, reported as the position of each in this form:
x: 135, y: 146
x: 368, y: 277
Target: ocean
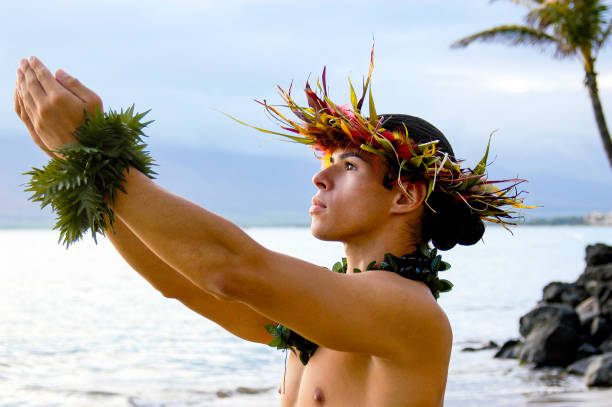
x: 78, y: 327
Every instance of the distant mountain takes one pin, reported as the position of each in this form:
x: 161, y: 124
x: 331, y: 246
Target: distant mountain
x: 251, y: 190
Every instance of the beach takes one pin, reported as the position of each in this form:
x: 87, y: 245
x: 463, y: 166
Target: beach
x: 80, y: 328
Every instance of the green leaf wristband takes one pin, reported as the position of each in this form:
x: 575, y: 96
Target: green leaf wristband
x: 81, y: 184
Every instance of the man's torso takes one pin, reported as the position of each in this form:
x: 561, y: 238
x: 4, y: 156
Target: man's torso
x: 340, y: 379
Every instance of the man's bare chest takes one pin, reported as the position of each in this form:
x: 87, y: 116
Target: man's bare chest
x: 330, y: 379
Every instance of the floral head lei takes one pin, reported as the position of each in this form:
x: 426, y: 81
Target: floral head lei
x: 325, y: 126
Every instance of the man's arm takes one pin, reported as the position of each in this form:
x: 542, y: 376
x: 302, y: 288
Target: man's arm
x: 376, y: 313
x: 237, y: 318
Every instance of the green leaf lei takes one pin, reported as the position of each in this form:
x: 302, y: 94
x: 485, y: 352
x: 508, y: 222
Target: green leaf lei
x: 81, y: 183
x: 422, y: 265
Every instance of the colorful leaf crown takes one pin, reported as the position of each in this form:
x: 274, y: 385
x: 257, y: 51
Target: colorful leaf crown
x: 326, y: 126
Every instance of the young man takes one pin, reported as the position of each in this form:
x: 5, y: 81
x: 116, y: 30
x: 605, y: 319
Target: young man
x: 382, y: 339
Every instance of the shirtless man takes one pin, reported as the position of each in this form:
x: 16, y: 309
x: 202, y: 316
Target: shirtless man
x: 383, y: 340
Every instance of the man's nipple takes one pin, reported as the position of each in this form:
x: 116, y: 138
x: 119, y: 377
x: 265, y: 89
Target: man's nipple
x: 318, y: 396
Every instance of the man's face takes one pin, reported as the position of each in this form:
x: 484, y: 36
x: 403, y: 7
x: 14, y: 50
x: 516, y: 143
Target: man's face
x: 351, y: 200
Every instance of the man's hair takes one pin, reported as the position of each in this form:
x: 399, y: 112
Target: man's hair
x: 447, y: 221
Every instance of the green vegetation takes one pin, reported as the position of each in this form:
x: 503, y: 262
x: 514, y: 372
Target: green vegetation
x: 575, y: 28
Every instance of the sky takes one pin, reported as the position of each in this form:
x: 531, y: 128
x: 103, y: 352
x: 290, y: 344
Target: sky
x: 189, y: 60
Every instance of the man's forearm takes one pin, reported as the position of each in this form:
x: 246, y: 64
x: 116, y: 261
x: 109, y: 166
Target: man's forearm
x: 197, y: 243
x: 235, y: 317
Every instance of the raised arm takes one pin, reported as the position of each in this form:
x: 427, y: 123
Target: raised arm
x: 237, y: 318
x: 377, y: 313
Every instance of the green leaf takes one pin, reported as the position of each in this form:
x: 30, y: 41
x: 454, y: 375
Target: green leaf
x: 271, y: 329
x: 444, y: 285
x: 482, y: 165
x: 353, y: 97
x: 76, y: 184
x: 373, y: 150
x: 435, y: 264
x: 373, y: 115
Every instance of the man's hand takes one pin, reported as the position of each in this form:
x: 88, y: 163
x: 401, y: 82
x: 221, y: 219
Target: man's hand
x: 51, y: 107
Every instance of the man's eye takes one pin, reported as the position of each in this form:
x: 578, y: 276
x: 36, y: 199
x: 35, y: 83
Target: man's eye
x: 349, y: 166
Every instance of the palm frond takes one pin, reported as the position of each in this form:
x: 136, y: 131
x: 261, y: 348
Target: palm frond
x: 604, y: 37
x: 511, y: 35
x: 521, y: 2
x: 547, y: 14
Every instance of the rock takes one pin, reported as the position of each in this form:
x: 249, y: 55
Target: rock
x: 587, y: 309
x: 550, y: 344
x: 591, y: 286
x: 580, y: 366
x: 600, y: 330
x: 598, y: 254
x: 606, y: 346
x: 587, y: 349
x: 552, y: 335
x: 565, y: 293
x: 606, y: 308
x: 602, y: 272
x: 488, y: 345
x: 599, y: 372
x: 547, y: 313
x: 509, y: 350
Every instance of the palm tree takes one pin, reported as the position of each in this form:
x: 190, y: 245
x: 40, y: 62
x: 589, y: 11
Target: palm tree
x: 575, y: 28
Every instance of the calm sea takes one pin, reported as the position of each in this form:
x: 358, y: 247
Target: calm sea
x: 78, y: 327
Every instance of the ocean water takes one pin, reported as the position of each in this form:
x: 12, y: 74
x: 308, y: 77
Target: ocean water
x: 78, y: 327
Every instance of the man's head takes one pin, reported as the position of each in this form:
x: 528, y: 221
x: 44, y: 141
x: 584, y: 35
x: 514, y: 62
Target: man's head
x: 353, y: 201
x: 416, y: 156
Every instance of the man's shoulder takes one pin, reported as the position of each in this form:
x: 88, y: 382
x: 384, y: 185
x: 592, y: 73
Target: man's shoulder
x: 424, y: 320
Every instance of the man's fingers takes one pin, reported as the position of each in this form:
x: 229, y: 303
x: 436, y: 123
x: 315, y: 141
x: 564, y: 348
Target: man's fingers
x: 31, y: 80
x: 45, y: 77
x: 91, y: 99
x: 72, y: 84
x: 17, y: 106
x: 28, y: 102
x: 20, y: 110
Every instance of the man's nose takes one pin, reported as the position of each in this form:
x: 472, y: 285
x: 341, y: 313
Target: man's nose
x: 321, y: 180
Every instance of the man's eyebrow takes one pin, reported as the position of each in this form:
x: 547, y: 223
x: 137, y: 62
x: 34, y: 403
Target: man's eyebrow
x: 346, y: 155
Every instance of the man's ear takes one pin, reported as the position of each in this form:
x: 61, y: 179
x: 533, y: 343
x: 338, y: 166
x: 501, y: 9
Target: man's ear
x: 408, y: 198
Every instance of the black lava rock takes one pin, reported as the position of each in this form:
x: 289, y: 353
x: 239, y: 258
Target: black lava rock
x: 549, y: 313
x: 509, y: 350
x: 488, y: 345
x: 598, y: 254
x: 580, y: 366
x: 599, y: 372
x: 564, y: 293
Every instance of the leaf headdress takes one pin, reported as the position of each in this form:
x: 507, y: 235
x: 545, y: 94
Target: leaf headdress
x: 326, y: 126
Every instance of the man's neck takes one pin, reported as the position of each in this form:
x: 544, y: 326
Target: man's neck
x: 361, y: 252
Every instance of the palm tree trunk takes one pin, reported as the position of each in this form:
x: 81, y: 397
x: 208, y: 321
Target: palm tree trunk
x: 591, y: 83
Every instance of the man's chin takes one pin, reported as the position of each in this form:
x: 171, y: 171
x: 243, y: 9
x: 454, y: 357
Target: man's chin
x: 321, y: 232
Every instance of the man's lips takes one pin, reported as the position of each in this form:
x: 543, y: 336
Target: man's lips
x: 317, y: 206
x: 317, y: 202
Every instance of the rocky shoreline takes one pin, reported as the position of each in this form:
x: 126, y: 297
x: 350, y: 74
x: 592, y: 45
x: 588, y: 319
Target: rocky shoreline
x: 571, y: 326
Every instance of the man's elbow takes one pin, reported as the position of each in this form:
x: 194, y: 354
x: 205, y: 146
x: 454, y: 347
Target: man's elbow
x: 231, y: 280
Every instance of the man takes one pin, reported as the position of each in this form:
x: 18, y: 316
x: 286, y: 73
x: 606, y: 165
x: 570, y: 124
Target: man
x: 382, y: 339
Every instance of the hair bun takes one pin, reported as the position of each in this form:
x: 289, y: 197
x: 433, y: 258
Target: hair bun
x: 448, y: 222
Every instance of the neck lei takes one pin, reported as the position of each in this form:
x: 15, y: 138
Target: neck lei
x: 422, y: 265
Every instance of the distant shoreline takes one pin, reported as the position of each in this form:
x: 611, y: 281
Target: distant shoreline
x: 552, y: 221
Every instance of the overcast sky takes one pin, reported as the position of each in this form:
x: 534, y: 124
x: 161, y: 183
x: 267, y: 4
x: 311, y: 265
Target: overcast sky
x: 186, y: 58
